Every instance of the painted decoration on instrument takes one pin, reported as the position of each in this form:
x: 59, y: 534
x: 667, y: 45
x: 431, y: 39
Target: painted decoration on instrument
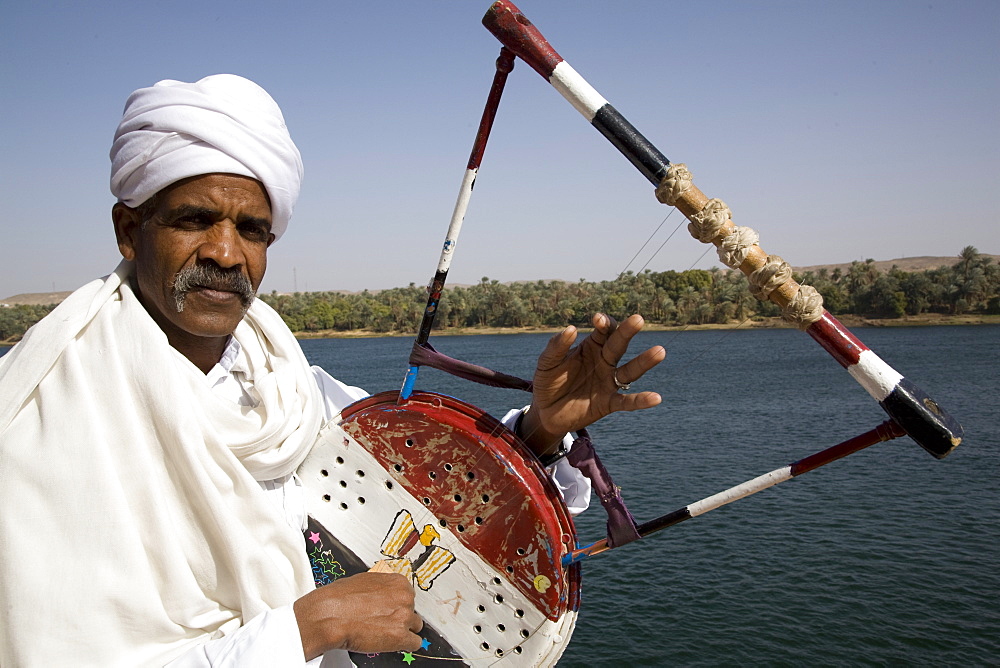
x: 325, y: 567
x: 413, y: 553
x: 320, y: 542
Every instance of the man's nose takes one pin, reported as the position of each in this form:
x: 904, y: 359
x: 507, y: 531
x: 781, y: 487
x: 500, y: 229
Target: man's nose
x: 222, y: 245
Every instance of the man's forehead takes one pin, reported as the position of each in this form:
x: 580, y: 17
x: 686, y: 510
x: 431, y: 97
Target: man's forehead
x: 214, y: 190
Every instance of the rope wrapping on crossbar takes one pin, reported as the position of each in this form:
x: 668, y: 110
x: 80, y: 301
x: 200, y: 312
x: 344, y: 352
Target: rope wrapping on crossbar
x: 770, y: 277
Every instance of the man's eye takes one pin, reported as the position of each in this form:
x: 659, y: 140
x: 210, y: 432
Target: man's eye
x: 191, y: 222
x: 254, y: 232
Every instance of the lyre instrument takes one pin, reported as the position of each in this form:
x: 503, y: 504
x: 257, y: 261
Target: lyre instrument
x: 434, y: 488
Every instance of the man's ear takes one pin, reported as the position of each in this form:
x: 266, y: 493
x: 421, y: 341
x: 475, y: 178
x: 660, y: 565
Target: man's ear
x: 128, y: 224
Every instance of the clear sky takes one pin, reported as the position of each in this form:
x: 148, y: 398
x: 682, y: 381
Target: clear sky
x: 839, y: 130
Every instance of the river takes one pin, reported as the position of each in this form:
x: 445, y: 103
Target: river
x: 887, y: 557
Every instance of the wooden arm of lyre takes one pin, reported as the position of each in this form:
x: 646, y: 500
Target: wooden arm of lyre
x: 919, y: 415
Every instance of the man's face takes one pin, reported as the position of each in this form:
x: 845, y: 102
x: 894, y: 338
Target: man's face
x: 200, y: 255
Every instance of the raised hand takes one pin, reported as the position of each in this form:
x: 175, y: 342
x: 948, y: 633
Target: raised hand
x: 576, y: 386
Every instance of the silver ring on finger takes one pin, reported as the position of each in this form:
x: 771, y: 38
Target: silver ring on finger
x: 618, y: 383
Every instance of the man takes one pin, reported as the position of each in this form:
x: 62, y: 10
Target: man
x: 151, y: 425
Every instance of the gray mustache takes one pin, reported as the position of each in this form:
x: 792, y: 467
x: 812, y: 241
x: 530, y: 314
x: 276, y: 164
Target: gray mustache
x: 213, y: 277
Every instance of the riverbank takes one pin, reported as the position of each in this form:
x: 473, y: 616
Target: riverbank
x: 851, y: 321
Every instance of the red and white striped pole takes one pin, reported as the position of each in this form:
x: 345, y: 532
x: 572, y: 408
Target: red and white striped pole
x: 919, y: 415
x: 505, y: 63
x: 886, y: 431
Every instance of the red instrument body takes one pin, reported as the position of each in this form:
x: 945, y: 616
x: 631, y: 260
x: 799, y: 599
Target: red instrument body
x: 445, y: 494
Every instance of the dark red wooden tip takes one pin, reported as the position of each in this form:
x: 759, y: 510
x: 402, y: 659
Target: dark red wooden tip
x: 884, y: 432
x: 516, y: 32
x: 505, y: 65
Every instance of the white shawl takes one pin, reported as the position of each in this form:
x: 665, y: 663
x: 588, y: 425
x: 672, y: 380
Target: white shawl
x: 131, y: 521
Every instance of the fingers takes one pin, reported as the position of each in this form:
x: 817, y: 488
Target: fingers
x: 613, y: 338
x: 604, y: 327
x: 412, y: 641
x: 368, y: 612
x: 636, y: 367
x: 415, y: 625
x: 556, y: 349
x: 635, y: 402
x: 618, y: 338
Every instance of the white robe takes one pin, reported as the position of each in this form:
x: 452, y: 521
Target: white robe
x: 166, y: 527
x: 133, y: 524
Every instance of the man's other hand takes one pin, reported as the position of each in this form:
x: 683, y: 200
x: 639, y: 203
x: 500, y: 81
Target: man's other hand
x: 367, y: 612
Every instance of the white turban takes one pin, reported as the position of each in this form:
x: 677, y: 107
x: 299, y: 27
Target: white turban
x: 223, y: 123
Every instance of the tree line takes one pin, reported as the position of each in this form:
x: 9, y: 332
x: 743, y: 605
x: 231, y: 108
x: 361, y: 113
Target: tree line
x: 15, y: 319
x: 695, y: 296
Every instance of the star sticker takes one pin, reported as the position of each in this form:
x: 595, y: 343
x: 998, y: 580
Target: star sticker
x: 408, y: 658
x: 314, y: 537
x: 424, y: 643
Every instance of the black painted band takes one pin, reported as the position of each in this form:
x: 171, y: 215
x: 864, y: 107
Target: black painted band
x: 640, y: 152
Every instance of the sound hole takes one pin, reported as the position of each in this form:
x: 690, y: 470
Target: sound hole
x: 470, y: 475
x: 447, y: 467
x: 324, y: 473
x: 477, y: 628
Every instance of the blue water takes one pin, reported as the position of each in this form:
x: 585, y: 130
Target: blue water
x: 888, y: 557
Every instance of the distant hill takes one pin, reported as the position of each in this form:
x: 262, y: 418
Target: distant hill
x: 922, y: 263
x: 37, y: 298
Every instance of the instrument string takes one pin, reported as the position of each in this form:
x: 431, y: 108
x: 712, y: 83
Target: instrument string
x: 643, y: 247
x: 703, y: 349
x: 498, y: 428
x: 664, y: 242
